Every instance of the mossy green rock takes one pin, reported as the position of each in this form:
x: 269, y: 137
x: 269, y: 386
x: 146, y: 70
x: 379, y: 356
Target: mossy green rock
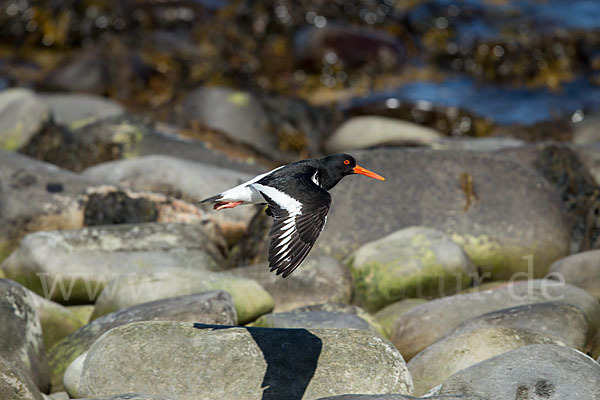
x: 74, y: 265
x: 82, y: 312
x: 427, y: 323
x: 21, y: 341
x: 496, y: 208
x: 16, y: 385
x: 57, y: 320
x: 190, y: 361
x: 214, y: 307
x: 595, y: 347
x: 412, y: 262
x: 249, y: 298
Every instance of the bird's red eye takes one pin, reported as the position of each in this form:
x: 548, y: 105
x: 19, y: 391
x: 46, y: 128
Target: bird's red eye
x: 346, y: 162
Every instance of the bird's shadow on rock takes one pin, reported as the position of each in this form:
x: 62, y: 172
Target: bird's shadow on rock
x: 291, y: 356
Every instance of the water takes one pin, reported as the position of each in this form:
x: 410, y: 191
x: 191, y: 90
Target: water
x: 502, y: 105
x: 484, y: 19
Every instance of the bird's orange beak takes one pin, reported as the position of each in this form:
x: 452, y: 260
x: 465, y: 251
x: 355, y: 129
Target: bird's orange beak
x: 362, y: 171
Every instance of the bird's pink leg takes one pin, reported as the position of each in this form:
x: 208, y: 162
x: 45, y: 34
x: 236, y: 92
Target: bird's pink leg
x: 226, y: 204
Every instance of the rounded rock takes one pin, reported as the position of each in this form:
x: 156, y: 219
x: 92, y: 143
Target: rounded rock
x: 427, y: 323
x: 319, y: 280
x: 21, y: 340
x: 412, y: 262
x: 581, y: 270
x: 22, y: 116
x: 368, y: 131
x: 535, y: 371
x: 496, y: 208
x: 185, y: 362
x: 214, y: 307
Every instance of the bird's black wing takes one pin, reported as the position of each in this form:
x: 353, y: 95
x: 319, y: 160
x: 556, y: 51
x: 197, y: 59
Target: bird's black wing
x: 299, y: 219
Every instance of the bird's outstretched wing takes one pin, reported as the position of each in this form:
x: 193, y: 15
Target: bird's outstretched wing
x: 299, y: 219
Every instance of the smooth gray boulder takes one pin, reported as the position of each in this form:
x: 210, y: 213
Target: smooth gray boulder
x: 237, y: 113
x: 388, y: 316
x: 22, y: 116
x: 369, y: 131
x: 190, y: 361
x: 496, y: 333
x: 581, y: 270
x: 321, y: 316
x: 496, y: 208
x: 398, y: 397
x: 542, y: 371
x: 215, y: 307
x: 427, y: 323
x: 79, y: 108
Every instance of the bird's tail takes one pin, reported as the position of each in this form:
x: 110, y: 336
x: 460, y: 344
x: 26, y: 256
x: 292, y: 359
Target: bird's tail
x: 212, y: 199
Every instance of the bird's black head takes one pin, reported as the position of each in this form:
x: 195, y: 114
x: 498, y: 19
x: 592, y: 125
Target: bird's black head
x: 337, y: 166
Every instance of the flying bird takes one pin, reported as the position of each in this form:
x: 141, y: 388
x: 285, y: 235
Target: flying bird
x: 298, y: 201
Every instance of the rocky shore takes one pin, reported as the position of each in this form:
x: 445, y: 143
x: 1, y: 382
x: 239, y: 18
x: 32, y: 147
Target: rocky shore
x: 472, y: 272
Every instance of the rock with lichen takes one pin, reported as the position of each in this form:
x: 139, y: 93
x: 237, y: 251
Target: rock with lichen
x: 498, y: 210
x: 214, y: 307
x: 37, y: 196
x: 21, y: 340
x: 411, y: 262
x: 75, y: 265
x: 313, y: 359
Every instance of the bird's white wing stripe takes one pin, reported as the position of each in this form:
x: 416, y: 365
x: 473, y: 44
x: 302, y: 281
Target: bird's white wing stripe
x: 284, y: 241
x: 282, y: 250
x: 288, y: 233
x: 287, y: 227
x: 285, y: 201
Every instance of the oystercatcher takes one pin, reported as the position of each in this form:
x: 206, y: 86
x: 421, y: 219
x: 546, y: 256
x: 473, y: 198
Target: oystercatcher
x: 298, y: 201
